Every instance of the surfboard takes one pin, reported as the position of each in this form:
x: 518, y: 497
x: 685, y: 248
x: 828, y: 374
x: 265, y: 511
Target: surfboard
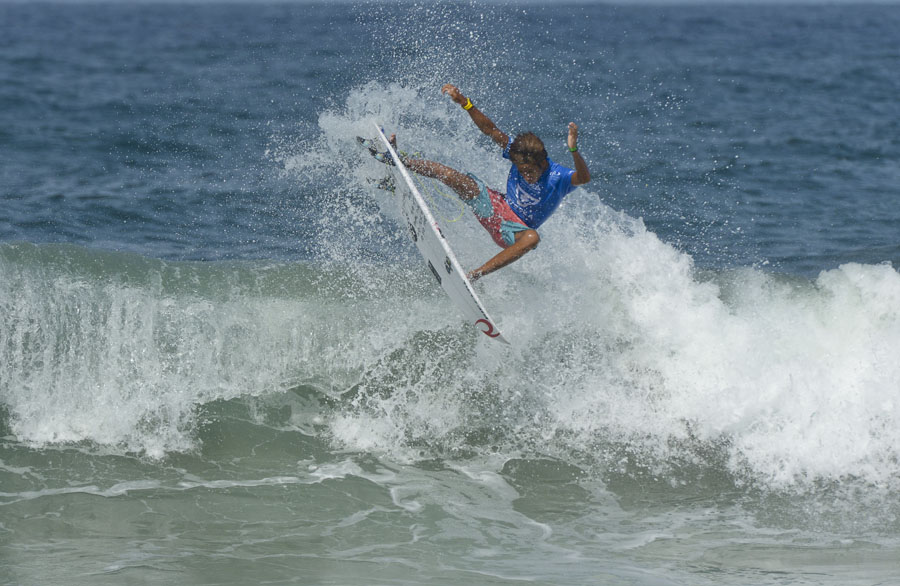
x: 436, y: 251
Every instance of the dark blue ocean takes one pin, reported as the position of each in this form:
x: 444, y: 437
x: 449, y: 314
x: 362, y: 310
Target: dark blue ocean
x: 222, y: 361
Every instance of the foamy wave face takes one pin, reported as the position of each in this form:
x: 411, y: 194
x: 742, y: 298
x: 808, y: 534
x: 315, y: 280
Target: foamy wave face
x: 120, y: 351
x: 796, y: 378
x: 827, y: 400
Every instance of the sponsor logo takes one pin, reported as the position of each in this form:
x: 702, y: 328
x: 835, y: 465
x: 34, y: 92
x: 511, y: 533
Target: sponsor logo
x: 525, y: 197
x: 489, y: 328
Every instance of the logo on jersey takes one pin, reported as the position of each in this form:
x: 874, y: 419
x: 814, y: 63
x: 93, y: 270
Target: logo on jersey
x: 525, y: 197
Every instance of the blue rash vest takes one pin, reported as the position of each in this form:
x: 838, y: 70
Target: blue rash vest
x: 535, y: 202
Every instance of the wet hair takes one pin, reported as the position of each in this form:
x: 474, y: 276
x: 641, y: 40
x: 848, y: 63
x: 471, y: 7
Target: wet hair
x: 527, y: 148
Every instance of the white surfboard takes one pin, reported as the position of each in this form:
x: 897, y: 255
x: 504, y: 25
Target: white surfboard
x: 430, y: 241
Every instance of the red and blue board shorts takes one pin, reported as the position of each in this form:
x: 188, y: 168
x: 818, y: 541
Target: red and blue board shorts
x: 495, y: 215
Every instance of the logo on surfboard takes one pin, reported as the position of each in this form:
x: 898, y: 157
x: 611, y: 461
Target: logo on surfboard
x: 489, y: 332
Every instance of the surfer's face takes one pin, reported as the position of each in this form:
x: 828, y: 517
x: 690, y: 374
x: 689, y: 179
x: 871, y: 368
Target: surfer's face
x: 531, y: 171
x: 529, y: 155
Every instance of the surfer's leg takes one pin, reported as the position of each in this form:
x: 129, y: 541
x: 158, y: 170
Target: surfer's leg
x: 526, y: 240
x: 464, y: 186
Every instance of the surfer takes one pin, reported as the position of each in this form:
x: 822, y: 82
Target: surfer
x: 534, y: 188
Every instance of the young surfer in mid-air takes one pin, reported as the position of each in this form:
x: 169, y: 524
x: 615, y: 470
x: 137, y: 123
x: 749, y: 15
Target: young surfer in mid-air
x: 534, y: 189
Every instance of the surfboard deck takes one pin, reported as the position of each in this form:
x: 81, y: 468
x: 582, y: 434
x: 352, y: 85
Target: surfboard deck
x: 434, y: 248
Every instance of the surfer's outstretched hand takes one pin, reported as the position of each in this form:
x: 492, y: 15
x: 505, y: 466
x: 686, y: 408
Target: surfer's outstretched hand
x: 454, y: 93
x: 572, y: 139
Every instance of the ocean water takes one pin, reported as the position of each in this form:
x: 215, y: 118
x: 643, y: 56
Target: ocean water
x: 221, y: 361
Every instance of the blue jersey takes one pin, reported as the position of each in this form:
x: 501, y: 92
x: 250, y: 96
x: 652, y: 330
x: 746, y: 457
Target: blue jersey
x: 535, y: 202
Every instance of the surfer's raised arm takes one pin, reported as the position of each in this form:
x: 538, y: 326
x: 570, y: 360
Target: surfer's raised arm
x: 582, y: 173
x: 484, y: 124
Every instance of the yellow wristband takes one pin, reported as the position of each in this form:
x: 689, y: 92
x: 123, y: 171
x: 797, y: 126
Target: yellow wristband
x: 468, y: 105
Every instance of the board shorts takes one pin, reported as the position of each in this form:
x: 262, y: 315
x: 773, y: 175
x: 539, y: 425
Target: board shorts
x: 495, y: 215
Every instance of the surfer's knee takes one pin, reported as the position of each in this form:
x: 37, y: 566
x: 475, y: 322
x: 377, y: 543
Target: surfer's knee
x: 527, y: 239
x: 465, y: 187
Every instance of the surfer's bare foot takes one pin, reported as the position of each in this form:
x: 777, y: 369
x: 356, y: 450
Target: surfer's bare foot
x: 382, y: 157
